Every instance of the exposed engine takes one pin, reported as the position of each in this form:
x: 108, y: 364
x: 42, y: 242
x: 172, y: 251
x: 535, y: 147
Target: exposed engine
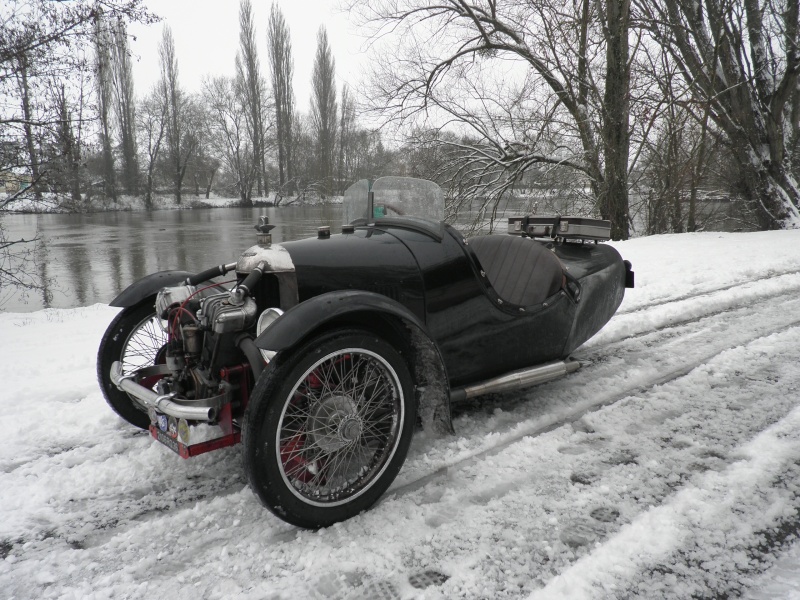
x: 205, y: 361
x: 203, y: 355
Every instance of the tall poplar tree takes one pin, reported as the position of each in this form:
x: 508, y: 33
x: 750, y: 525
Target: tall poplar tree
x: 324, y: 111
x: 124, y: 105
x: 282, y: 69
x: 253, y: 89
x: 181, y: 144
x: 104, y: 43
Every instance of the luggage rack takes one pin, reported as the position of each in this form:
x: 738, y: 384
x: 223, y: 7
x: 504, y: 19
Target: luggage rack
x: 560, y: 227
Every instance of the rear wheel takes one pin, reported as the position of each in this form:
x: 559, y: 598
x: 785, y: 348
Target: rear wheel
x: 137, y: 339
x: 328, y: 428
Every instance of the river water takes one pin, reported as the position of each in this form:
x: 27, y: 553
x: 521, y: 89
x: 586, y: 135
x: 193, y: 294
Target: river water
x: 90, y: 258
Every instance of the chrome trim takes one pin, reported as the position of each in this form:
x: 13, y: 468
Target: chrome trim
x: 520, y: 379
x: 267, y: 318
x: 162, y: 403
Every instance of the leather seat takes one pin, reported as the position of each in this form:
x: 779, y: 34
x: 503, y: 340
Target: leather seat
x: 522, y: 271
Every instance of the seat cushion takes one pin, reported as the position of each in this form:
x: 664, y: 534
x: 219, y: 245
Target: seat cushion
x: 522, y: 271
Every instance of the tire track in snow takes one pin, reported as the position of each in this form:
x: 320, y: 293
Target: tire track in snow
x: 708, y: 292
x: 524, y: 429
x: 516, y: 496
x: 90, y: 517
x: 638, y: 322
x: 288, y: 542
x: 159, y: 502
x: 65, y: 453
x: 674, y: 560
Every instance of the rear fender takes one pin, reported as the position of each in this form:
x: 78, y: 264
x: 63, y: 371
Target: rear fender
x: 384, y: 316
x: 147, y: 286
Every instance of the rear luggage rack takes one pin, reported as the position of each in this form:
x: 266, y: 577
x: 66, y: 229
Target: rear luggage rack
x: 568, y: 228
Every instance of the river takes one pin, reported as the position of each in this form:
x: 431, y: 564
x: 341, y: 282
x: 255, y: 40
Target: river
x: 90, y: 258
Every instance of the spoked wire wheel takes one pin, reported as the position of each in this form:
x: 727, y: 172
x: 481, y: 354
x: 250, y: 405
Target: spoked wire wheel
x: 145, y: 344
x: 136, y: 339
x: 340, y: 427
x: 328, y: 427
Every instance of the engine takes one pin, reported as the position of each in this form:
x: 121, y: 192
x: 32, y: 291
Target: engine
x: 203, y: 353
x: 210, y: 354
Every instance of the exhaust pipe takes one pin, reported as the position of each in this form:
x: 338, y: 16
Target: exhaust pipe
x: 517, y: 379
x: 163, y: 404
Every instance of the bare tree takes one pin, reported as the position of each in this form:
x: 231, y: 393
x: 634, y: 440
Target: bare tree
x: 347, y: 123
x: 281, y: 69
x: 104, y: 76
x: 68, y: 142
x: 205, y: 166
x: 537, y: 84
x: 42, y: 46
x: 304, y: 162
x: 152, y: 123
x: 741, y: 61
x: 615, y: 20
x: 124, y: 105
x: 324, y: 111
x: 28, y: 121
x: 253, y: 87
x: 181, y: 143
x: 678, y: 151
x: 228, y: 130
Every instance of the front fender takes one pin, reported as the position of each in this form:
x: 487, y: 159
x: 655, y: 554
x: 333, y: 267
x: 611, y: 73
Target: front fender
x: 366, y: 308
x: 147, y: 286
x: 299, y: 321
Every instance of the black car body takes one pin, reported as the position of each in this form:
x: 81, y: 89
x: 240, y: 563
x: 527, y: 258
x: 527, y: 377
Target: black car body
x: 325, y: 352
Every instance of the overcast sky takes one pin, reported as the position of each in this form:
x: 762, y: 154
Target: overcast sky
x: 206, y: 36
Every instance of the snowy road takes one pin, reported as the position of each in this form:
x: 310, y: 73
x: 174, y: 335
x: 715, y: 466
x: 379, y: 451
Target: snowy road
x: 666, y: 467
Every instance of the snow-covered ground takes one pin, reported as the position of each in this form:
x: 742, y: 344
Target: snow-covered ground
x: 667, y: 467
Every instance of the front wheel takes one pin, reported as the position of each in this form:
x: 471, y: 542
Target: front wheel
x: 136, y: 338
x: 328, y: 428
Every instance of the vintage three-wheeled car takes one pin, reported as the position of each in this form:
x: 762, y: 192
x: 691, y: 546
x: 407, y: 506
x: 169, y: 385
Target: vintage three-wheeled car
x: 321, y: 356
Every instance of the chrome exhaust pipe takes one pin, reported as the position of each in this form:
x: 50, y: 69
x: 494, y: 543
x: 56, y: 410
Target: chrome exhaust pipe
x: 517, y: 379
x: 163, y: 404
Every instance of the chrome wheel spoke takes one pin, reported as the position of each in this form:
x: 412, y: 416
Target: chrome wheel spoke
x: 143, y: 344
x: 340, y: 426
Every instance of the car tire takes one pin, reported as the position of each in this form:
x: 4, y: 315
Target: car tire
x: 328, y: 427
x: 136, y: 339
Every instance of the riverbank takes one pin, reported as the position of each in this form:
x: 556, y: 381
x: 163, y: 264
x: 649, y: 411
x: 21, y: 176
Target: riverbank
x: 55, y: 204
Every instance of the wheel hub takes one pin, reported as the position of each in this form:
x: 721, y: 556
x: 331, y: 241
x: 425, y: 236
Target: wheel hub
x: 350, y: 428
x: 334, y: 423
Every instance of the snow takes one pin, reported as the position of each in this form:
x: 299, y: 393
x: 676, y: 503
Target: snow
x: 668, y: 466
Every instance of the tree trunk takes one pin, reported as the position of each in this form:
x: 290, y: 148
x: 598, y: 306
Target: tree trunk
x: 148, y: 194
x: 210, y: 180
x: 615, y: 125
x: 33, y: 155
x: 178, y: 184
x: 771, y: 192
